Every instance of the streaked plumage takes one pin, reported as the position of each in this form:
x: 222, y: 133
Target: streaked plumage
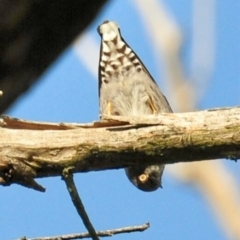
x: 126, y: 88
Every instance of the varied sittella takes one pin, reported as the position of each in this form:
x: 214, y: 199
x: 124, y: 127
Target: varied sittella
x: 126, y: 88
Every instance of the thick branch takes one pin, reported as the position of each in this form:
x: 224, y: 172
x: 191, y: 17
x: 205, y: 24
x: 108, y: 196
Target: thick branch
x: 33, y: 34
x: 168, y: 138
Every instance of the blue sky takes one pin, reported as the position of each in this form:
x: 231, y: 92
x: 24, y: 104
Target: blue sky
x: 67, y: 92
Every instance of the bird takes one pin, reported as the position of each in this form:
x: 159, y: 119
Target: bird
x: 126, y: 88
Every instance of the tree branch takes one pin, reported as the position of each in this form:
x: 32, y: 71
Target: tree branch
x: 121, y: 141
x: 77, y: 202
x: 106, y: 233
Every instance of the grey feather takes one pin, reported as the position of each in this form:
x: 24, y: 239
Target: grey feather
x: 127, y: 88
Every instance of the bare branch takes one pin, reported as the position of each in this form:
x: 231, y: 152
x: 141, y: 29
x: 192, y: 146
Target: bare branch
x: 106, y: 233
x: 167, y: 138
x: 77, y: 202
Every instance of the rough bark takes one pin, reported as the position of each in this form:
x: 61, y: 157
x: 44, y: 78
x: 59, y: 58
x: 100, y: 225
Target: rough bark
x: 29, y: 150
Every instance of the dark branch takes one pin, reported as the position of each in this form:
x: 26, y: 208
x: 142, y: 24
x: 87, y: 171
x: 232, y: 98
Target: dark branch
x: 32, y: 35
x: 68, y: 178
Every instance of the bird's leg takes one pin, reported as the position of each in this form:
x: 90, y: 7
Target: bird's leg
x: 109, y: 108
x: 151, y: 105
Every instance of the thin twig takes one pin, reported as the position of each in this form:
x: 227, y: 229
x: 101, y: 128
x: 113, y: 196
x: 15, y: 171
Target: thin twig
x: 68, y: 178
x: 106, y: 233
